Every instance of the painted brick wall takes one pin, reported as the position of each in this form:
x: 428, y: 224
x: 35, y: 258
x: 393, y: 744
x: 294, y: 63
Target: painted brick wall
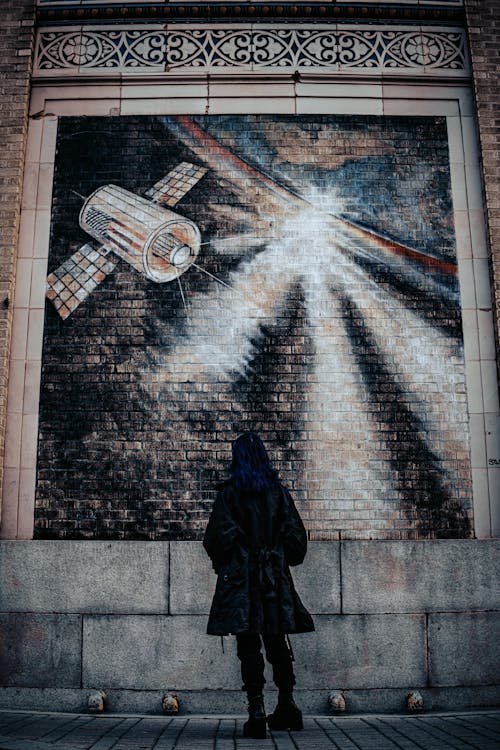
x: 342, y: 351
x: 483, y: 21
x: 16, y: 33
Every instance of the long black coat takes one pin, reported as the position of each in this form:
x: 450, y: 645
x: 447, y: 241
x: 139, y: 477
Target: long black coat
x: 252, y: 538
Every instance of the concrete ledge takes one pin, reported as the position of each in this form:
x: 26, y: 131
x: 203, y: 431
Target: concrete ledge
x: 40, y: 650
x: 464, y: 648
x: 205, y: 702
x: 133, y: 577
x: 192, y: 579
x: 84, y: 576
x: 422, y: 576
x: 102, y: 615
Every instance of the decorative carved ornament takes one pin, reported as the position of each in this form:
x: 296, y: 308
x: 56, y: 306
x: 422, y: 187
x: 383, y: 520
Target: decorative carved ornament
x: 363, y: 48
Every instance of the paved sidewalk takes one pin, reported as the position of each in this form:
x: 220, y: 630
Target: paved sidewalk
x: 20, y: 730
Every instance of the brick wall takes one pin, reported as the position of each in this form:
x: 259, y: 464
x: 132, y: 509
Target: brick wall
x: 16, y: 33
x: 343, y: 354
x: 483, y: 20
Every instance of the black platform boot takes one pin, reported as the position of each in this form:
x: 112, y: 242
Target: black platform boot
x: 255, y: 727
x: 286, y: 715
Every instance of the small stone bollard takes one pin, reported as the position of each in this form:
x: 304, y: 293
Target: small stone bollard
x: 336, y: 701
x: 414, y: 701
x: 170, y: 703
x: 95, y: 701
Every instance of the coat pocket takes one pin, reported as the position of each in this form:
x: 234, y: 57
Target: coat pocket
x: 230, y: 607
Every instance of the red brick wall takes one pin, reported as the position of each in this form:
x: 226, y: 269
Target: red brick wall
x: 483, y: 20
x: 16, y: 50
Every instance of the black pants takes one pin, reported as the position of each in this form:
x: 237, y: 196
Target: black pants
x: 252, y: 662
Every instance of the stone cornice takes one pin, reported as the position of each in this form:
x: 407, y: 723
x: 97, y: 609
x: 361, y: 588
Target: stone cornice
x: 255, y: 12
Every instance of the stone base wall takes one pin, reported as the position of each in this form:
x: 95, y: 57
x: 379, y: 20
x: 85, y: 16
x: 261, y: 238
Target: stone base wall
x: 130, y: 618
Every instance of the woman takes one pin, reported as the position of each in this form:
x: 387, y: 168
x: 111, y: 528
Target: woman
x: 253, y: 535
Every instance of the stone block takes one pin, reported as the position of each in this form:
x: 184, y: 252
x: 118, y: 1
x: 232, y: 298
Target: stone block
x: 318, y: 579
x: 142, y: 652
x: 464, y: 648
x: 40, y: 650
x: 362, y: 651
x: 192, y: 579
x: 420, y: 576
x: 84, y: 576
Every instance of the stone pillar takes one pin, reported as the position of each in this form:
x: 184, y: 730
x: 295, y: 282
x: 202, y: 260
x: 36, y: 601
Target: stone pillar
x: 17, y: 23
x: 483, y: 21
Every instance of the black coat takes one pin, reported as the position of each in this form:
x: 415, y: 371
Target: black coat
x: 251, y: 539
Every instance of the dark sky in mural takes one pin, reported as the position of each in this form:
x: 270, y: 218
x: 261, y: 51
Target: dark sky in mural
x: 322, y: 310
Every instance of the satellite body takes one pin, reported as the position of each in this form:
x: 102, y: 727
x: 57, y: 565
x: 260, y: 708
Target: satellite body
x: 155, y: 241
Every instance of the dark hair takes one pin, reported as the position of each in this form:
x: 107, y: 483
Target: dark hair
x: 251, y: 468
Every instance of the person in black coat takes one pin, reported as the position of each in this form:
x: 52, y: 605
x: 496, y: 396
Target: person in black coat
x: 253, y: 535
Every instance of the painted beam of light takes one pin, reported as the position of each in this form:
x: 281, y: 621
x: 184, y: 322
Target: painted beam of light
x: 341, y: 463
x: 224, y: 162
x: 224, y: 323
x: 348, y: 413
x: 420, y: 355
x: 359, y: 456
x: 350, y: 462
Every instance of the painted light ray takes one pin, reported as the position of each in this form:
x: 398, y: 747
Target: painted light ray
x: 230, y: 318
x: 343, y: 435
x: 427, y: 356
x: 339, y: 416
x: 220, y: 158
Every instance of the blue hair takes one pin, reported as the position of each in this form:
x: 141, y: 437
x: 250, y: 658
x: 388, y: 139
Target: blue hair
x: 251, y: 468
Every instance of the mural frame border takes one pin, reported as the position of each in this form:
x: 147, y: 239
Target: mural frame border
x: 312, y: 94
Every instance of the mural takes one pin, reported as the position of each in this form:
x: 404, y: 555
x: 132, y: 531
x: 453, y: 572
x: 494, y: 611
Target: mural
x: 305, y: 287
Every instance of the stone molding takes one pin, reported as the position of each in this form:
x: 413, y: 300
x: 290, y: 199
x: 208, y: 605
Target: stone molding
x: 340, y: 48
x: 77, y: 3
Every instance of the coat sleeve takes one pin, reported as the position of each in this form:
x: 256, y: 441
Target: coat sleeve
x: 294, y: 535
x: 222, y: 532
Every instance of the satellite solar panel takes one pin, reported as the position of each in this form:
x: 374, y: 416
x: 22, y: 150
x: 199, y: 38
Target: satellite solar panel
x: 171, y: 188
x: 72, y: 282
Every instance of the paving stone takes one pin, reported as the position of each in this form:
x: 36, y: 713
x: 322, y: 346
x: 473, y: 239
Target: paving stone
x: 391, y: 733
x: 62, y: 727
x: 113, y: 733
x: 468, y: 731
x: 168, y: 738
x: 425, y: 732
